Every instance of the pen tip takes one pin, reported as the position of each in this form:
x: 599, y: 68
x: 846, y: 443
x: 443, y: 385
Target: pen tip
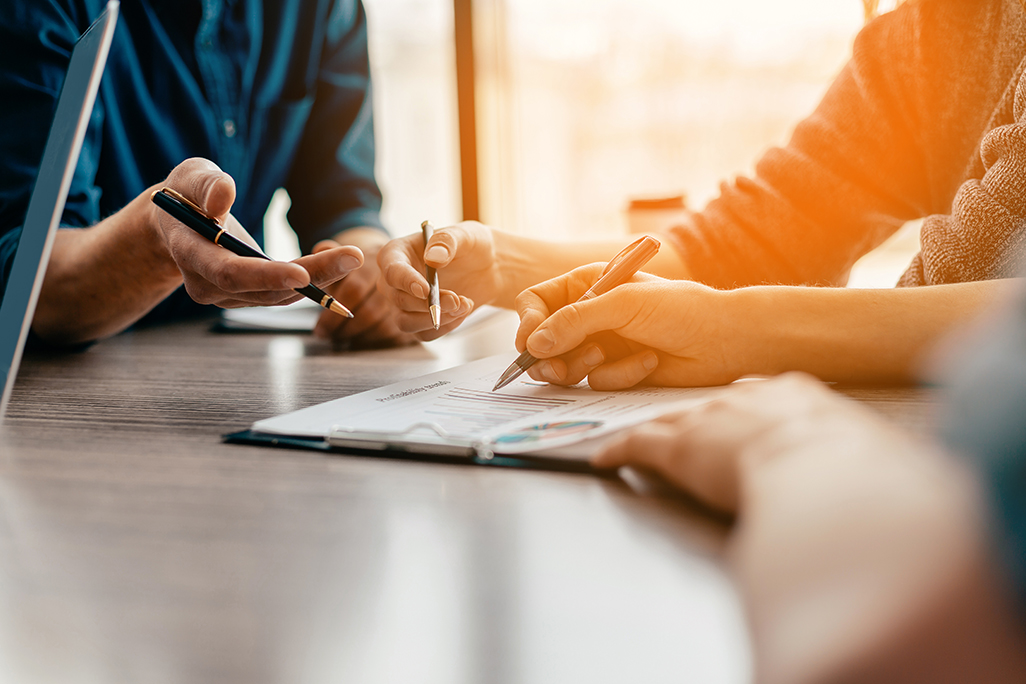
x: 436, y: 315
x: 340, y: 310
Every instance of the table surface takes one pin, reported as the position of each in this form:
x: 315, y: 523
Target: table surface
x: 136, y: 547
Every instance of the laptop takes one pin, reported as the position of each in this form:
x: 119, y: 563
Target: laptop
x: 74, y: 107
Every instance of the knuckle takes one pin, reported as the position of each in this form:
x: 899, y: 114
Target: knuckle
x: 393, y: 274
x: 224, y: 277
x: 408, y: 323
x: 526, y: 304
x: 200, y: 292
x: 572, y: 316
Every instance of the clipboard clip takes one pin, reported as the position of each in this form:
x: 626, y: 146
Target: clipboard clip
x: 407, y: 440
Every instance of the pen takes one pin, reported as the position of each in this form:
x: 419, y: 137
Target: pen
x: 617, y: 272
x: 432, y: 277
x: 188, y: 213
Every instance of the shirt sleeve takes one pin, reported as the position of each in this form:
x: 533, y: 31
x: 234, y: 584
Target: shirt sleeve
x: 332, y: 183
x: 36, y: 40
x: 890, y: 141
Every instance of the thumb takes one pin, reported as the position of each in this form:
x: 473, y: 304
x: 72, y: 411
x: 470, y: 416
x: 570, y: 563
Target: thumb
x: 219, y: 195
x: 205, y: 184
x: 446, y: 243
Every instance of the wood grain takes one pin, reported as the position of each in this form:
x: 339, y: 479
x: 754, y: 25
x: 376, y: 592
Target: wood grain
x: 136, y: 547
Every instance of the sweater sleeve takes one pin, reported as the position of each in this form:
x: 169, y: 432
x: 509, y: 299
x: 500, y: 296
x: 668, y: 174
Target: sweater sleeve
x: 891, y: 141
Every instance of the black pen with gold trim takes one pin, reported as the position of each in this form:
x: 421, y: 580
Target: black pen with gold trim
x: 188, y: 213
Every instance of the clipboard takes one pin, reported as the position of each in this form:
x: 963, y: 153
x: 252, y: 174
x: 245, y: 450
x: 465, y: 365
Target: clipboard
x: 391, y: 449
x: 453, y: 416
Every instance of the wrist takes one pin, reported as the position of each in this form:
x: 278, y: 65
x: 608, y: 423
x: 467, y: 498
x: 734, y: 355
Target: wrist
x: 758, y: 333
x: 515, y: 266
x: 369, y: 240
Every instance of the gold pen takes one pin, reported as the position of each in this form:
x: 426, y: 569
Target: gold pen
x: 617, y: 272
x: 434, y: 307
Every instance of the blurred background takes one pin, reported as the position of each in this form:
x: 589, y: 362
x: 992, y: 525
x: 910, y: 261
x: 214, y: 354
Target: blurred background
x: 582, y: 106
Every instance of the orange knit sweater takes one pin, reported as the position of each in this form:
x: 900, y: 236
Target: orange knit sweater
x: 927, y: 120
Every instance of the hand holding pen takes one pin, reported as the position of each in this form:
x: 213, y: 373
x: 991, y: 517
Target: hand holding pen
x: 620, y: 269
x: 213, y: 275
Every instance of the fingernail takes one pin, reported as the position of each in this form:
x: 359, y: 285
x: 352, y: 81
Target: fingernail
x: 450, y: 303
x: 541, y: 340
x: 594, y: 356
x: 349, y: 262
x: 418, y: 291
x: 437, y: 254
x: 650, y: 361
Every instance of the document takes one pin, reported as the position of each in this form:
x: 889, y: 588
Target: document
x: 455, y: 411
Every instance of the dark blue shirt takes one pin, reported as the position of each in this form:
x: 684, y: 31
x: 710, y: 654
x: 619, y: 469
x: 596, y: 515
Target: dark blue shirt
x: 276, y: 92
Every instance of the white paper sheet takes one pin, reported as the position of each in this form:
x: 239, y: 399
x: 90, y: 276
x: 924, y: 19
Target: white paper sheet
x: 457, y: 406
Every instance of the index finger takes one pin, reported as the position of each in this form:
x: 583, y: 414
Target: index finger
x: 535, y: 304
x: 396, y: 261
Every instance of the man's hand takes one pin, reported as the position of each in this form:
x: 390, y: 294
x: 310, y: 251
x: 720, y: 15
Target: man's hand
x: 375, y: 318
x: 104, y: 278
x: 213, y: 275
x: 468, y: 270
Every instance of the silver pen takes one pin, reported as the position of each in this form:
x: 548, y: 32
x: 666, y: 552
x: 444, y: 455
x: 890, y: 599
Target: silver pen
x: 434, y: 307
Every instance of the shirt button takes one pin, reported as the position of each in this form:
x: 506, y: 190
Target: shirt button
x: 229, y: 128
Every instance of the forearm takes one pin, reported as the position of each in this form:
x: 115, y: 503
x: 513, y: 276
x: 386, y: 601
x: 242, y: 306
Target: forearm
x: 913, y: 594
x: 102, y: 279
x: 850, y: 335
x: 525, y: 262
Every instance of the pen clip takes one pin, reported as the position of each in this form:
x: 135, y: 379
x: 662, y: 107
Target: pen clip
x: 182, y: 199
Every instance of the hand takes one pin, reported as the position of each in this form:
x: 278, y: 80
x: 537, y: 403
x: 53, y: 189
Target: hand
x: 213, y: 275
x: 700, y: 450
x: 468, y: 270
x: 858, y: 549
x: 374, y: 321
x: 658, y: 331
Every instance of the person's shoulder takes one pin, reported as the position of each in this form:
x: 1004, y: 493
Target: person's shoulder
x: 921, y: 34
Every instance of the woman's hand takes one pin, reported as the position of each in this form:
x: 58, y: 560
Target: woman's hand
x: 468, y: 268
x: 859, y: 549
x: 656, y: 331
x: 701, y: 450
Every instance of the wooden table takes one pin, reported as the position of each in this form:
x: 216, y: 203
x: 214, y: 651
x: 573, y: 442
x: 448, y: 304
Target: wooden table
x: 136, y: 547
